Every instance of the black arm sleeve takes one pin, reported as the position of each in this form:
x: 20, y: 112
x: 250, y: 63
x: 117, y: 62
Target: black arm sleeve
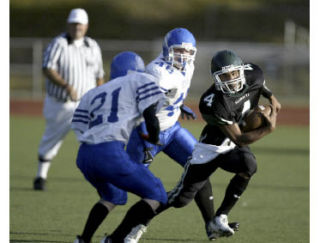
x: 265, y: 91
x: 152, y: 123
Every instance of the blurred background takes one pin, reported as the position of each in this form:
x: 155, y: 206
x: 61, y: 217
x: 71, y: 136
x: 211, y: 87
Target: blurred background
x: 271, y: 33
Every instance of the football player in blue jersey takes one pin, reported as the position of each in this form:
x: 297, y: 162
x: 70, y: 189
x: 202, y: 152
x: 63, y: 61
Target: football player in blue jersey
x: 103, y: 122
x: 173, y: 70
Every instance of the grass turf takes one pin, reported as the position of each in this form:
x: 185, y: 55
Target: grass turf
x: 274, y: 208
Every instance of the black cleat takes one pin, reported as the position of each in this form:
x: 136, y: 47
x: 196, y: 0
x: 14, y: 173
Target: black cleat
x: 234, y: 225
x: 106, y: 239
x: 39, y: 184
x: 148, y: 158
x: 79, y: 240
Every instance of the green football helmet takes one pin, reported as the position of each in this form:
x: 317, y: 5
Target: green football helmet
x: 227, y: 70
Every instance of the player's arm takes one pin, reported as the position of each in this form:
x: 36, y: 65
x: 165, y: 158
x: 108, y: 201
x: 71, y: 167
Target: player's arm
x: 56, y: 78
x: 152, y: 124
x: 266, y: 92
x: 188, y: 112
x: 235, y: 134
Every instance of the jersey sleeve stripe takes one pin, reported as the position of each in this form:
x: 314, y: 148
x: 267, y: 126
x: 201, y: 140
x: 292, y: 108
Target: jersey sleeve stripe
x: 143, y: 86
x: 147, y: 96
x: 81, y: 121
x: 81, y: 110
x: 147, y: 90
x: 81, y: 116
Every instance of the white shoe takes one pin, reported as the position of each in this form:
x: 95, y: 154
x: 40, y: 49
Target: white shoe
x: 219, y: 227
x: 221, y: 223
x: 135, y: 234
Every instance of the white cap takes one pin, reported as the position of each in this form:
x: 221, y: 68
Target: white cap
x: 78, y: 15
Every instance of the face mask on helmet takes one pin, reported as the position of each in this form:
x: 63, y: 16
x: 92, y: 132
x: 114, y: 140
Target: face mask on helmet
x: 230, y: 79
x: 181, y: 55
x: 179, y: 48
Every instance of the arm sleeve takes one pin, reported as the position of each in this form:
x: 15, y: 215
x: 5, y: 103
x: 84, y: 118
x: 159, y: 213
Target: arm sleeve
x: 265, y: 91
x: 81, y: 119
x: 148, y: 93
x: 52, y: 55
x: 152, y: 122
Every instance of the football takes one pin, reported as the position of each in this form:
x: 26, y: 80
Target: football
x: 254, y: 119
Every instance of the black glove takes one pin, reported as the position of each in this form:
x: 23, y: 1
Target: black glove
x: 186, y: 111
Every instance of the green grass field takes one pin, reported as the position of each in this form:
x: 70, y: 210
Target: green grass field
x: 274, y: 208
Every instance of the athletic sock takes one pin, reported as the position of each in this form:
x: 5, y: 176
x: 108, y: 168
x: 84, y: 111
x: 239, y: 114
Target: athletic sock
x: 97, y: 214
x: 204, y: 200
x: 43, y: 168
x: 140, y: 213
x: 234, y: 190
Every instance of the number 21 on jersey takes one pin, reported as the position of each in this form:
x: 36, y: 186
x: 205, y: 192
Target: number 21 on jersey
x: 98, y: 101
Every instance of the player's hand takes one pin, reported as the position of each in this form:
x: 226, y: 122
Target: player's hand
x: 276, y: 103
x: 186, y: 111
x: 150, y: 139
x: 271, y: 119
x: 72, y: 93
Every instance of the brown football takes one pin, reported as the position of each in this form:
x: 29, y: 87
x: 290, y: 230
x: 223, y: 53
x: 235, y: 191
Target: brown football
x: 254, y: 119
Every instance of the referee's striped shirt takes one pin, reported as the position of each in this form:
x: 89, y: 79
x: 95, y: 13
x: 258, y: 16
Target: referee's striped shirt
x: 80, y: 66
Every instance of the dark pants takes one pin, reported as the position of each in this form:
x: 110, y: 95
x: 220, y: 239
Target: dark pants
x: 239, y: 160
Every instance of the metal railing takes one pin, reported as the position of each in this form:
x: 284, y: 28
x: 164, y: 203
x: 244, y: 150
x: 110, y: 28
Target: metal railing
x: 286, y: 67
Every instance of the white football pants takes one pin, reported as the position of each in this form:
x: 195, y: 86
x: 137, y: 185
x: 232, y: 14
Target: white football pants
x: 58, y: 117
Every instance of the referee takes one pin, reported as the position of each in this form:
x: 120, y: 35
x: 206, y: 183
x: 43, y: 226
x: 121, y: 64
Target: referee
x: 72, y: 64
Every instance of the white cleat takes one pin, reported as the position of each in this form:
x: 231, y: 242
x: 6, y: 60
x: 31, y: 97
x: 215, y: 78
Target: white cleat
x: 219, y: 227
x: 135, y: 234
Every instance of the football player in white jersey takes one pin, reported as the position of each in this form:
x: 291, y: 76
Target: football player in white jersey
x: 173, y: 70
x: 103, y: 122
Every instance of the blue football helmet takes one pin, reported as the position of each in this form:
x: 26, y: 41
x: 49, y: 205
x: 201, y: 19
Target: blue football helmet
x: 179, y: 48
x: 124, y: 62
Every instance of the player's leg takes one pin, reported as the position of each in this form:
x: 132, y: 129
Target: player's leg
x: 242, y: 162
x: 110, y: 195
x: 180, y: 149
x: 58, y: 117
x: 152, y: 192
x: 114, y: 166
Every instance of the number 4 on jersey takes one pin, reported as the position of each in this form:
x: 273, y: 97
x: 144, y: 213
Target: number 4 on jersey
x: 209, y: 99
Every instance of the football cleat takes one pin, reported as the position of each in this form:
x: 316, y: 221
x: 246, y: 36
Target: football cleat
x: 39, y: 184
x: 219, y: 227
x: 148, y: 158
x: 234, y: 225
x: 135, y: 234
x: 79, y: 240
x: 106, y: 239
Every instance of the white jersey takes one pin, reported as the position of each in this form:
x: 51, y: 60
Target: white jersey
x: 175, y: 84
x: 110, y: 111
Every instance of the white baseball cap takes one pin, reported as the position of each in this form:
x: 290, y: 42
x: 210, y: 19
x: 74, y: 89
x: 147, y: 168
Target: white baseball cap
x: 78, y: 15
